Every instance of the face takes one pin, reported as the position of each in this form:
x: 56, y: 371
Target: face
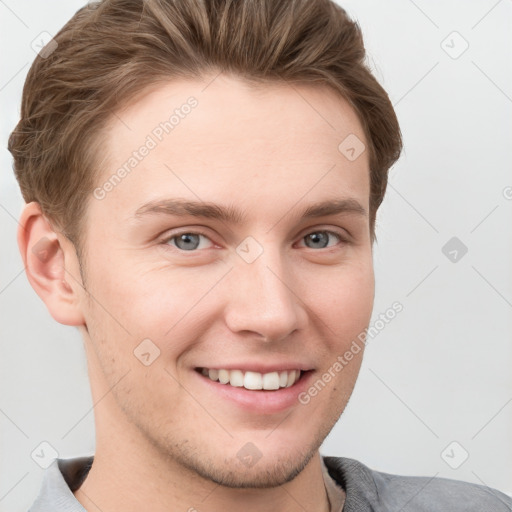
x: 233, y: 253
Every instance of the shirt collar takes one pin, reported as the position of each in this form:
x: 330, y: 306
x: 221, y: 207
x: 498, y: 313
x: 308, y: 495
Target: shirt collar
x: 60, y: 479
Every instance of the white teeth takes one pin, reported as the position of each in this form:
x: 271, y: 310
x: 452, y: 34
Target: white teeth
x: 291, y: 378
x: 236, y: 378
x: 223, y: 376
x: 271, y: 380
x: 253, y: 380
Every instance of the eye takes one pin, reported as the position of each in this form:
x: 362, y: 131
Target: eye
x: 320, y: 239
x: 187, y: 241
x: 191, y: 241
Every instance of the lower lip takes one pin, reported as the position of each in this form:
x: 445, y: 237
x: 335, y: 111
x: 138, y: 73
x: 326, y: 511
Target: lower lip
x: 259, y: 401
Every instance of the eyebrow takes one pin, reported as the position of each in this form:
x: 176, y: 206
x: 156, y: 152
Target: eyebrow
x: 230, y: 214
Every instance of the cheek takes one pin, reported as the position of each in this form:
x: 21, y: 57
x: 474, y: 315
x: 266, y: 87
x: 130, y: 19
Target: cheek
x: 167, y: 305
x: 344, y: 300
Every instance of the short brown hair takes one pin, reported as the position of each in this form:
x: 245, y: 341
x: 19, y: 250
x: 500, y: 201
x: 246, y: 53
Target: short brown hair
x: 111, y: 51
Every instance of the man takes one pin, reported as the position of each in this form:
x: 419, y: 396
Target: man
x: 202, y: 183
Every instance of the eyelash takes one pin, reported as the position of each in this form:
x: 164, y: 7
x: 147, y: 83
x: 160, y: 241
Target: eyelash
x: 168, y: 239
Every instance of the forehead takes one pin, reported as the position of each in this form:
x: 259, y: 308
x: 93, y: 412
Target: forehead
x: 208, y: 138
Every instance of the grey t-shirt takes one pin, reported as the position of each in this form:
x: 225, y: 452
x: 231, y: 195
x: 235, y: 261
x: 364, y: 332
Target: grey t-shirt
x: 365, y: 490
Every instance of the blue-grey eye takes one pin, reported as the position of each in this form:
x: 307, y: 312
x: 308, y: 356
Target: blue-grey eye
x: 187, y: 241
x: 318, y: 239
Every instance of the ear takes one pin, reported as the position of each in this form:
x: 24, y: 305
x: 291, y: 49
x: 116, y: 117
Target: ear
x: 51, y: 265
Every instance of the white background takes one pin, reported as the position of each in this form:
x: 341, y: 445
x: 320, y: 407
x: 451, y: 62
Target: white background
x: 440, y: 371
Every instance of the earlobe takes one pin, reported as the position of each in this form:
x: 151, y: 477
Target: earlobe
x: 51, y: 266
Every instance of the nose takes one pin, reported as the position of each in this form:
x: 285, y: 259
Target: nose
x: 262, y: 299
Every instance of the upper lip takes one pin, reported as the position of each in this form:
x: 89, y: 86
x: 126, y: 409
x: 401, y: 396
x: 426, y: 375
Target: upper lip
x: 258, y: 367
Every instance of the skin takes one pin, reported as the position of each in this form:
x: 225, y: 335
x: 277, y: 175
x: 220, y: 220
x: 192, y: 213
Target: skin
x: 162, y: 435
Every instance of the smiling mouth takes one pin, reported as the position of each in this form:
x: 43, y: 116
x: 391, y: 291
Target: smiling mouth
x: 253, y: 380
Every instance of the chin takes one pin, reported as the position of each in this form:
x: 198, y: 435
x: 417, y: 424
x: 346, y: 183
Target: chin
x: 263, y: 474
